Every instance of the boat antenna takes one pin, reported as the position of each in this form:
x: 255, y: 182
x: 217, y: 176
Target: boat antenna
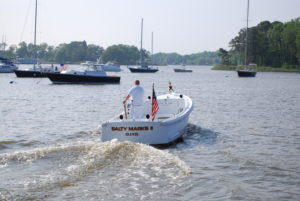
x: 246, y: 39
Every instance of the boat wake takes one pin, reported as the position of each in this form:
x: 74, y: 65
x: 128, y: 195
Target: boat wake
x: 113, y: 164
x: 196, y: 135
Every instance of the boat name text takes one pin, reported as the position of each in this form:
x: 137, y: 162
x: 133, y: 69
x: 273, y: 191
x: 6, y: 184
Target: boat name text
x: 133, y: 128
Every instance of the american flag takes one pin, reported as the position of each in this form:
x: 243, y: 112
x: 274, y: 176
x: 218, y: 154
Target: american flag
x: 155, y: 106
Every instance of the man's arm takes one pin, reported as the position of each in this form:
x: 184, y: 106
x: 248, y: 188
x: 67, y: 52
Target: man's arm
x: 127, y: 97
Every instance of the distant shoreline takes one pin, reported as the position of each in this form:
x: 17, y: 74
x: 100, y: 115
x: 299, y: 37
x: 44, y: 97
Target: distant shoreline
x: 257, y: 68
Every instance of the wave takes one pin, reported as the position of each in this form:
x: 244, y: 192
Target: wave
x: 4, y: 144
x: 7, y: 144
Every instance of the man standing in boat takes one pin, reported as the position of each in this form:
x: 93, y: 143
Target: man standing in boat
x: 137, y: 94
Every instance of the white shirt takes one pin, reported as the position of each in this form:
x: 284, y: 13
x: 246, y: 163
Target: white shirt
x: 137, y: 94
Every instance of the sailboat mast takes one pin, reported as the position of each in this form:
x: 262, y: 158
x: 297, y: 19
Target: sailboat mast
x: 141, y: 43
x: 152, y: 48
x: 34, y: 41
x: 246, y: 39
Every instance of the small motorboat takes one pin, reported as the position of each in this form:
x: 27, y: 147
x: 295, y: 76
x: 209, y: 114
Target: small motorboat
x: 246, y: 73
x: 142, y: 69
x: 111, y: 67
x: 182, y: 70
x: 168, y: 124
x: 88, y: 76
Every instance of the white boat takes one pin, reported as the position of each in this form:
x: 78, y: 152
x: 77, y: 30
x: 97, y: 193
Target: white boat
x: 7, y: 66
x: 111, y: 67
x: 169, y: 124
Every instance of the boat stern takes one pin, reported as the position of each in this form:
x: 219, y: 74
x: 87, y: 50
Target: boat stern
x: 146, y: 132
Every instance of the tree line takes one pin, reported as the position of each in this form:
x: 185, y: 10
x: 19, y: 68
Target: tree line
x: 273, y: 44
x: 79, y: 51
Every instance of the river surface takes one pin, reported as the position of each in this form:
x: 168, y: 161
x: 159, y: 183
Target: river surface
x: 242, y: 141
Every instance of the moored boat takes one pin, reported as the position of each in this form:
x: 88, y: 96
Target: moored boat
x: 7, y: 66
x: 182, y: 70
x: 89, y: 76
x: 111, y: 67
x: 142, y: 69
x: 168, y: 124
x: 246, y: 73
x: 36, y: 71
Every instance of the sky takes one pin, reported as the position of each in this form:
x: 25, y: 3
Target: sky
x: 182, y: 26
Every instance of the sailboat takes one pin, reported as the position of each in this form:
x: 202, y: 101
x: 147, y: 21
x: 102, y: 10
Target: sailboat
x: 36, y: 71
x: 246, y: 72
x: 143, y: 68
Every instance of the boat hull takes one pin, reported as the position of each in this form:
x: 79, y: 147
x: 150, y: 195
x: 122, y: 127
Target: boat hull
x: 60, y: 78
x: 146, y: 132
x: 143, y: 70
x: 246, y: 73
x: 29, y: 73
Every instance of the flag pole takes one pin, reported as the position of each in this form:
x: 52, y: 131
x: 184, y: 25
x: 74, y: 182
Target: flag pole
x: 125, y: 110
x: 152, y: 102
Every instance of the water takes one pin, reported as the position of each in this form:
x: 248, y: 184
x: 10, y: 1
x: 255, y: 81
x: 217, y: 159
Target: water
x: 242, y: 143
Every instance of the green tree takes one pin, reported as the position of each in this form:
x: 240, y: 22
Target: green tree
x: 22, y: 51
x: 123, y: 54
x: 224, y: 56
x: 298, y: 45
x: 93, y: 52
x: 289, y: 42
